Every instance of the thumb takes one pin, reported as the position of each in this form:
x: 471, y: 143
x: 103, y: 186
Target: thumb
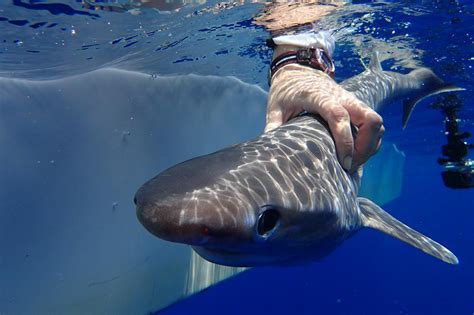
x: 274, y: 119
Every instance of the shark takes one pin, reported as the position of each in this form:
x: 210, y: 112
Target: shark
x: 282, y: 198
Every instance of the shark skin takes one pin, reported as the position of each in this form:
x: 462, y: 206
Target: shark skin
x: 282, y: 198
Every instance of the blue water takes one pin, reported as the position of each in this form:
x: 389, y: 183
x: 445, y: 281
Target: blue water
x: 44, y: 42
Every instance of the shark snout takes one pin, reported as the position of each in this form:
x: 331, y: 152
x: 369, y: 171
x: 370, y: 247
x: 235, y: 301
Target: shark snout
x: 182, y: 219
x: 196, y: 202
x: 163, y: 221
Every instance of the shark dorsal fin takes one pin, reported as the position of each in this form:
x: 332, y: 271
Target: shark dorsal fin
x: 374, y: 64
x: 376, y: 218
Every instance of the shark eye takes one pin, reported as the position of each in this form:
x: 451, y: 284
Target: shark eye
x: 268, y: 222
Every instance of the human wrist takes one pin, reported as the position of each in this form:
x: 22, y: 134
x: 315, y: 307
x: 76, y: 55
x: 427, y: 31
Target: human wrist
x: 300, y: 85
x: 301, y: 76
x: 311, y: 49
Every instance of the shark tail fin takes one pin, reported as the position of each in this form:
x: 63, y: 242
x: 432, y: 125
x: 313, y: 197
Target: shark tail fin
x: 432, y: 84
x: 376, y: 218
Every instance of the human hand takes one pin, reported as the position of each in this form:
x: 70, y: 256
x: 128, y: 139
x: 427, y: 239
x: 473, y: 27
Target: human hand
x: 296, y: 88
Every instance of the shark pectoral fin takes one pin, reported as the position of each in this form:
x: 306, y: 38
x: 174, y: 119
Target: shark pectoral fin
x: 432, y: 86
x: 376, y: 218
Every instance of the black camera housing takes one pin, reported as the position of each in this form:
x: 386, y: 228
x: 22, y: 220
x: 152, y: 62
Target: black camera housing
x: 458, y: 170
x: 459, y: 178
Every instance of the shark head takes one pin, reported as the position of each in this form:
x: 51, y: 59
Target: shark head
x: 256, y: 203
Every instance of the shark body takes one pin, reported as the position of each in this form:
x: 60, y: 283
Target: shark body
x: 282, y: 198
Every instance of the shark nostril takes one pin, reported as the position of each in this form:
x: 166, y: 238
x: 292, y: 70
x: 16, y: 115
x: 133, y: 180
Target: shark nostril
x: 268, y: 222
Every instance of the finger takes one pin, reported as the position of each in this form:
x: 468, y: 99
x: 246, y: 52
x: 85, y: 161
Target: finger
x: 370, y: 129
x: 378, y: 147
x: 339, y: 123
x: 368, y: 138
x: 356, y: 165
x: 274, y: 119
x: 379, y: 144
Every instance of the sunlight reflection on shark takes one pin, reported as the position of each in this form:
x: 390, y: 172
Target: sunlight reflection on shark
x: 282, y: 198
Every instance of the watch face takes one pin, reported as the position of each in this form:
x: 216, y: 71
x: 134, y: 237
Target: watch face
x: 303, y: 55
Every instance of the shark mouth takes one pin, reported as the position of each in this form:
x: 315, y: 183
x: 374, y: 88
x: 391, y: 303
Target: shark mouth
x: 221, y: 256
